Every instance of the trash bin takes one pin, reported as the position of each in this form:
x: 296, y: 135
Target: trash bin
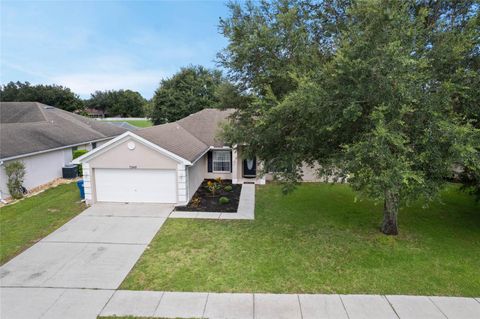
x: 80, y: 187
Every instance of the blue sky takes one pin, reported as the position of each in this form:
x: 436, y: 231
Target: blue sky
x: 101, y: 45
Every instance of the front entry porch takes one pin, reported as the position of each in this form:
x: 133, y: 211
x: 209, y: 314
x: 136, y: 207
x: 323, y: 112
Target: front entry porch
x: 245, y: 170
x: 256, y: 181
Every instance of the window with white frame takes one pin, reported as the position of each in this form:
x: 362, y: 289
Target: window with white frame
x: 221, y: 161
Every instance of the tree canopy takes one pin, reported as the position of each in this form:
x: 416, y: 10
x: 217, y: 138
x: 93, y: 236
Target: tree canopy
x: 384, y: 92
x: 190, y: 90
x: 54, y: 95
x: 125, y: 103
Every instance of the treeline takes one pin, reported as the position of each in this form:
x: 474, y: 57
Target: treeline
x: 124, y: 103
x: 190, y: 90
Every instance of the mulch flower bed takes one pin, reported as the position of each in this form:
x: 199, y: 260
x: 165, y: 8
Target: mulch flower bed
x: 203, y: 201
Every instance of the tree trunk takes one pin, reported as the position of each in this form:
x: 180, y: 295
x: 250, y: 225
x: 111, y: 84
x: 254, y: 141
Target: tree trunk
x: 390, y: 213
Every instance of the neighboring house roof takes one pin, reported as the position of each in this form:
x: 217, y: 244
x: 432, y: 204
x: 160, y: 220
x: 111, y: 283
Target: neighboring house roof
x: 191, y: 136
x: 30, y: 127
x: 124, y: 125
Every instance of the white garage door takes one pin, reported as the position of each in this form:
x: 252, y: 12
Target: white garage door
x: 135, y: 185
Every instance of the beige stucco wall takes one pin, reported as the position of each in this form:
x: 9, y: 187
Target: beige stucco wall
x: 309, y: 175
x: 196, y: 175
x: 226, y: 175
x: 142, y: 156
x: 217, y: 175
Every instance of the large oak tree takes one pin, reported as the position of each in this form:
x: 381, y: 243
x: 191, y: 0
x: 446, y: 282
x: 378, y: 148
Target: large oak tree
x: 384, y: 92
x: 188, y: 91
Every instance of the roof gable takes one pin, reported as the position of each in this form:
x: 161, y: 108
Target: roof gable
x: 121, y: 139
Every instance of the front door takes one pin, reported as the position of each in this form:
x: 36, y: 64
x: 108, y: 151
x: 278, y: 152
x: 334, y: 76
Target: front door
x: 250, y: 167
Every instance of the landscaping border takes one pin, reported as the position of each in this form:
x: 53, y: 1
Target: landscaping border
x: 246, y: 208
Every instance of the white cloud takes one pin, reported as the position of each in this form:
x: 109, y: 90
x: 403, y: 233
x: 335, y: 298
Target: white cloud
x: 86, y: 83
x: 23, y: 69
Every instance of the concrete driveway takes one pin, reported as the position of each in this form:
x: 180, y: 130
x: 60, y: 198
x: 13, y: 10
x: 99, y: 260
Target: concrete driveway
x: 95, y: 250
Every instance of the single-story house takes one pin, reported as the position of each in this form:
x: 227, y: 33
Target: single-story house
x: 95, y: 113
x: 165, y: 163
x: 43, y: 138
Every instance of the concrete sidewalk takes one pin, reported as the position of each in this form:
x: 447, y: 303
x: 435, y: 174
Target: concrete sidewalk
x: 52, y: 303
x: 287, y: 306
x: 61, y: 303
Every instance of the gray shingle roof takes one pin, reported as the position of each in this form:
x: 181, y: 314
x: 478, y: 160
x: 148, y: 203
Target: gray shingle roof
x: 191, y: 136
x: 28, y: 127
x: 175, y: 139
x: 205, y: 125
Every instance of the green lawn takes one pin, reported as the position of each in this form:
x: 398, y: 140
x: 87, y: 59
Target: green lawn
x: 24, y: 223
x: 318, y: 240
x: 137, y: 123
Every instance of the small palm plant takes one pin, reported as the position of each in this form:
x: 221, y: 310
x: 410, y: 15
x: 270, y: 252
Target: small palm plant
x: 213, y: 187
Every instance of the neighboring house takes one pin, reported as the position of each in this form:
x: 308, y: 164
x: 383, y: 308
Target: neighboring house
x: 94, y: 113
x: 43, y: 138
x: 165, y: 163
x: 125, y: 125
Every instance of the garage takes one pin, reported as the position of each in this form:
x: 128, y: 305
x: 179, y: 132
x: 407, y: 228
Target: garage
x: 135, y: 185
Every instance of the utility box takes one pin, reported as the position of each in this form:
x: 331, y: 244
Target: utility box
x: 69, y: 171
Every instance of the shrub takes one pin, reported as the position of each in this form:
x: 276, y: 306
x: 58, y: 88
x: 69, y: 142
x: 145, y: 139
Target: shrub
x: 223, y: 200
x: 15, y: 174
x: 228, y: 188
x: 196, y: 201
x: 78, y: 153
